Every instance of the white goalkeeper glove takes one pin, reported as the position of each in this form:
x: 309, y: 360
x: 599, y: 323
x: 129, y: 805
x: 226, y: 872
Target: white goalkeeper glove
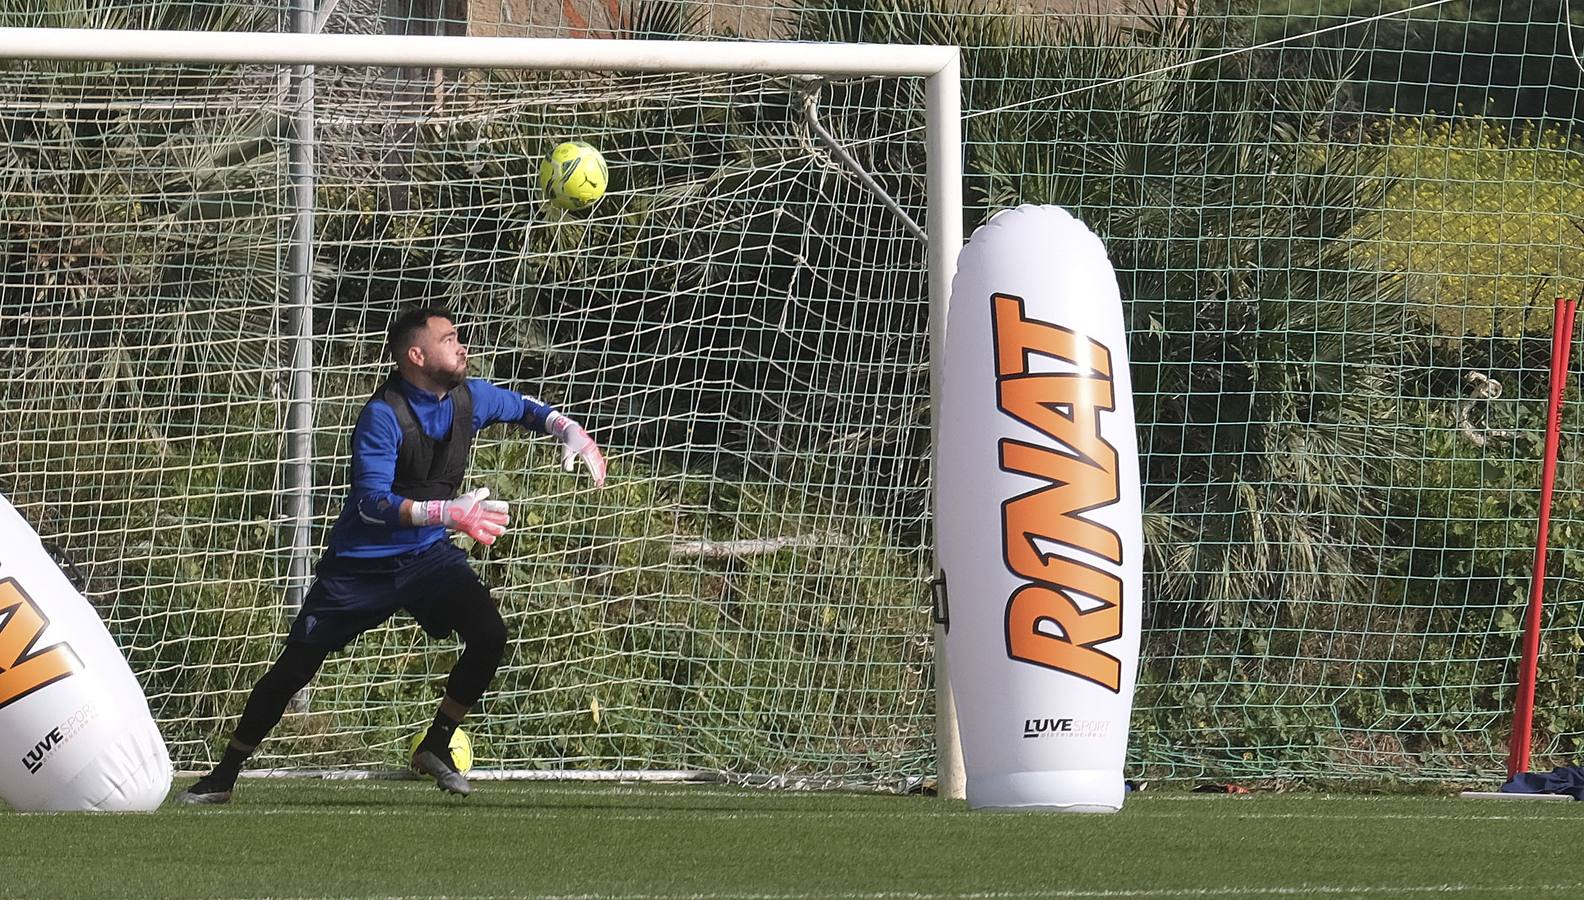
x: 473, y: 514
x: 576, y: 444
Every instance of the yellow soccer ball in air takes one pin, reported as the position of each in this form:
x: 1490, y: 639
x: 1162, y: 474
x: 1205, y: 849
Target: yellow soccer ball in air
x: 573, y: 176
x: 461, y: 749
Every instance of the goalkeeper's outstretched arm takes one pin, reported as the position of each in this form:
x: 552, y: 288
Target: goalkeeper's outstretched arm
x: 495, y: 404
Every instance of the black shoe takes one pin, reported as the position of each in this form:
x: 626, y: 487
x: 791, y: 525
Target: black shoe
x: 209, y: 790
x: 439, y: 765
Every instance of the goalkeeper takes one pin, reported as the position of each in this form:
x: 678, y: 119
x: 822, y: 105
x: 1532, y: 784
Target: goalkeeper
x: 389, y: 549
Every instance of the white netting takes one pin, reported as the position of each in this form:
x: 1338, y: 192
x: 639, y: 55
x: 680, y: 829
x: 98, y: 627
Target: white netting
x: 739, y: 322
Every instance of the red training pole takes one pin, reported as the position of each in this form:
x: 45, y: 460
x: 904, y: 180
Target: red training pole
x: 1528, y: 666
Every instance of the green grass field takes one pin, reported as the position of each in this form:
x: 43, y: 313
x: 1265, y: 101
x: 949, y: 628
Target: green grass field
x: 319, y: 839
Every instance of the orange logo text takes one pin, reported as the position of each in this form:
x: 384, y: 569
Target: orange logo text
x: 25, y: 668
x: 1046, y: 625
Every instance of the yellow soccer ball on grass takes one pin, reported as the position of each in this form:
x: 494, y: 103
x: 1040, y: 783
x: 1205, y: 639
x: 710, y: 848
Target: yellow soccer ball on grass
x: 461, y: 749
x: 573, y: 176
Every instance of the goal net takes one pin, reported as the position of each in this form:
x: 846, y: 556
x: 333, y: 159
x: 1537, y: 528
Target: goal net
x: 741, y: 323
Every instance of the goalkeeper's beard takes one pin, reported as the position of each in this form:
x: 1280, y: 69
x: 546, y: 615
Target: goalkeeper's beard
x: 449, y: 379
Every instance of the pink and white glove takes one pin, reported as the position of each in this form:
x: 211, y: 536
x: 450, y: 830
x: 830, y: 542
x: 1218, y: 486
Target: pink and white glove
x: 473, y: 513
x: 577, y: 444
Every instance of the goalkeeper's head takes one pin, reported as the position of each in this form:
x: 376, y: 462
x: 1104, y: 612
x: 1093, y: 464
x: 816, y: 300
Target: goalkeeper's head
x: 426, y: 348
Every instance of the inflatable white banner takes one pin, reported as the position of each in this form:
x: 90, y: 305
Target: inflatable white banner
x: 75, y: 728
x: 1038, y: 521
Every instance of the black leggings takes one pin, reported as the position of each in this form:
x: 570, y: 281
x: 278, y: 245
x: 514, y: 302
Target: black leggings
x: 472, y: 615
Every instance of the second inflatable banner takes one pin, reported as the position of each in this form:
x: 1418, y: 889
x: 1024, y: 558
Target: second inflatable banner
x: 75, y: 729
x: 1039, y: 524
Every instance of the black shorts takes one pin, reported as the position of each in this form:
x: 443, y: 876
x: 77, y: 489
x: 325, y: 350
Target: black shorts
x: 352, y: 594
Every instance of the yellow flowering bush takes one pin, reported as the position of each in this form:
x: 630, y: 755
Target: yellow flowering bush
x: 1484, y: 221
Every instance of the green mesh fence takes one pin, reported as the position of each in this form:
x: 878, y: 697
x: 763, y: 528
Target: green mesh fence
x: 1337, y: 256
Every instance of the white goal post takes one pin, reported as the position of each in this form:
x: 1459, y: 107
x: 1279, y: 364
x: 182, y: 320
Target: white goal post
x: 938, y: 66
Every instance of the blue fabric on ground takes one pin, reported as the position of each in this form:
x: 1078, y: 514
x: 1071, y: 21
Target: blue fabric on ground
x: 1567, y: 780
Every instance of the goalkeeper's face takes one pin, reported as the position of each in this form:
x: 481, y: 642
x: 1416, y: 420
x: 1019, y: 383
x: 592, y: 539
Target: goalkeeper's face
x: 444, y: 356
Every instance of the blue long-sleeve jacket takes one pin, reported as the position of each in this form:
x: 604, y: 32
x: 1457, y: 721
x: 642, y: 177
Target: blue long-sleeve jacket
x: 370, y: 524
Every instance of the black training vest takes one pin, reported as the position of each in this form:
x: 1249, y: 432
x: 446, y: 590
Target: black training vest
x: 429, y: 469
